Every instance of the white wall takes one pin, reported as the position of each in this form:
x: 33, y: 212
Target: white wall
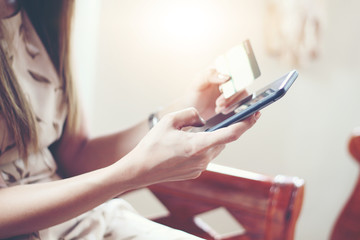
x: 141, y: 65
x: 84, y: 49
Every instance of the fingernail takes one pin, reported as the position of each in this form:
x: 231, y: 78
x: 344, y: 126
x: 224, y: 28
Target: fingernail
x: 218, y: 109
x: 220, y: 102
x: 223, y: 77
x: 257, y: 116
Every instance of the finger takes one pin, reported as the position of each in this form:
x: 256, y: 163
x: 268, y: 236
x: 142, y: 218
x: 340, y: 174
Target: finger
x: 223, y: 103
x: 238, y: 96
x: 230, y: 133
x: 186, y: 118
x: 219, y: 78
x: 209, y: 154
x: 212, y: 76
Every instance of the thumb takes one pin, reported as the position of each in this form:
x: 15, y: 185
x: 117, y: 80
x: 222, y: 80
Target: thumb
x: 212, y: 76
x: 186, y: 118
x: 231, y: 133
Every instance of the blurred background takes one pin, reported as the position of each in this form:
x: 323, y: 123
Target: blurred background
x: 133, y: 56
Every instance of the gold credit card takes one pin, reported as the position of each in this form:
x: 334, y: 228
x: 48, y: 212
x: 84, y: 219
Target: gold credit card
x: 241, y: 65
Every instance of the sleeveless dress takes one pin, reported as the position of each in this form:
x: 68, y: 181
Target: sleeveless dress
x: 42, y: 87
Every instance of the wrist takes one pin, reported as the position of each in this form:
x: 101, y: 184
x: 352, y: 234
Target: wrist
x: 131, y: 172
x: 122, y: 176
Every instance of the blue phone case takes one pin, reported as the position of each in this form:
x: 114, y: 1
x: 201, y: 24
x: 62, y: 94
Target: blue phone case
x: 252, y: 103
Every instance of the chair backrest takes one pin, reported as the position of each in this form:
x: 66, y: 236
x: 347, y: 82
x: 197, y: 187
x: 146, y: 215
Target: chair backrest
x: 347, y: 225
x: 266, y: 207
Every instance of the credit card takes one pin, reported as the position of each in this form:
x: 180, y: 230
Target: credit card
x: 241, y: 65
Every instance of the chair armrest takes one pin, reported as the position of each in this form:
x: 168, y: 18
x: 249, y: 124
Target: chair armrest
x: 267, y: 207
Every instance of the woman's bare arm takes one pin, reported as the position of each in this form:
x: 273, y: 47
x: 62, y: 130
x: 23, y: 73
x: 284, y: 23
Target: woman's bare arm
x: 166, y: 153
x: 28, y: 208
x: 77, y: 153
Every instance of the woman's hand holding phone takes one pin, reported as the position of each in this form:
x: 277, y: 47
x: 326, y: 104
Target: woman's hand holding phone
x: 167, y: 153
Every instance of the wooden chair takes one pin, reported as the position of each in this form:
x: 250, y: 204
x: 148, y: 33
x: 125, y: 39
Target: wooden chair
x: 267, y: 207
x: 347, y: 225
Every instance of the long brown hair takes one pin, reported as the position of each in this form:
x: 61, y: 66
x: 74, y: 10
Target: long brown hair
x: 52, y: 21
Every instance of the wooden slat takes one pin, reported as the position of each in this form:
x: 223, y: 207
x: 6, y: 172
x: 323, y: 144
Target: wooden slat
x: 347, y: 225
x: 267, y: 207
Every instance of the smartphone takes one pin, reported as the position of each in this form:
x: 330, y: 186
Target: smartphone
x: 241, y: 65
x: 250, y: 104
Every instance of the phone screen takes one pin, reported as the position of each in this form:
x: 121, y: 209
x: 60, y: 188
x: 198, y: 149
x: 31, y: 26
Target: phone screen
x: 239, y: 107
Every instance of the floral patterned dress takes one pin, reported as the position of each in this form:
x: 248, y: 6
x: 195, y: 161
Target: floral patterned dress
x: 42, y: 87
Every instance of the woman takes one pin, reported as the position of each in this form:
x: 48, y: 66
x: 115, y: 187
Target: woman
x: 41, y: 131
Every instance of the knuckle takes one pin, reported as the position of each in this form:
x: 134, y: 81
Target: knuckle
x: 169, y: 118
x: 193, y: 112
x: 251, y: 121
x: 193, y: 115
x: 188, y: 150
x: 211, y: 71
x: 233, y: 136
x: 205, y: 162
x: 196, y: 174
x: 208, y: 73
